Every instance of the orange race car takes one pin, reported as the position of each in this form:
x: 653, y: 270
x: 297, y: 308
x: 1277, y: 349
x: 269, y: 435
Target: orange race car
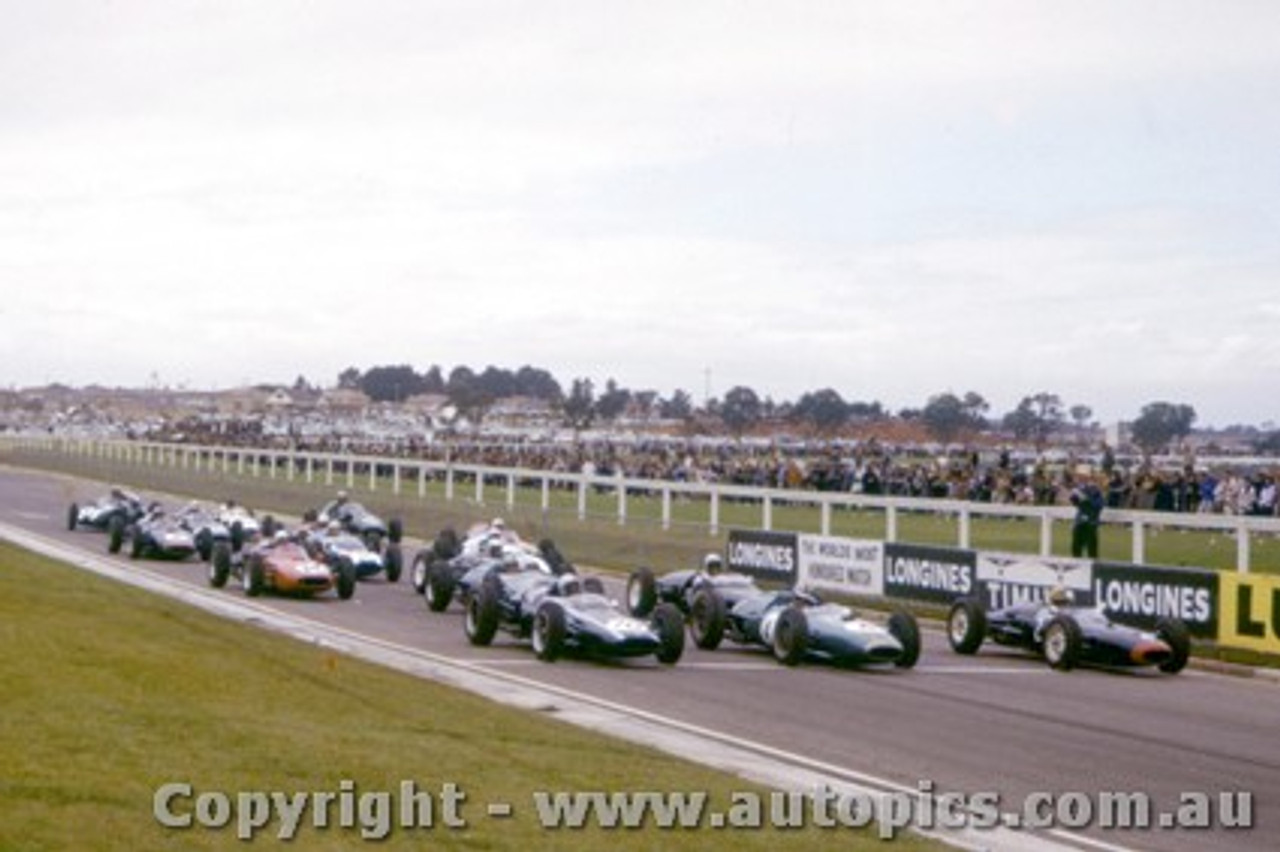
x: 282, y: 565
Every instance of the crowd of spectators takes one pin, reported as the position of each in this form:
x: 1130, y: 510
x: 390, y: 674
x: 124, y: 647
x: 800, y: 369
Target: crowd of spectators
x: 990, y: 476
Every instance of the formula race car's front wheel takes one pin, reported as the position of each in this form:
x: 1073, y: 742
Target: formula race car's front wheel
x: 252, y: 578
x: 439, y: 590
x: 395, y: 530
x: 135, y: 544
x: 394, y: 559
x: 791, y: 636
x: 346, y: 573
x: 706, y: 619
x: 73, y: 517
x: 115, y: 534
x: 668, y: 622
x: 642, y: 592
x: 906, y: 630
x: 548, y: 631
x: 220, y: 565
x: 418, y: 571
x: 1173, y: 632
x: 481, y: 620
x: 966, y: 626
x: 1062, y: 643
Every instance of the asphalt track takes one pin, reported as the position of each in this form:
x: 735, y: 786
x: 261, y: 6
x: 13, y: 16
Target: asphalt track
x: 996, y: 722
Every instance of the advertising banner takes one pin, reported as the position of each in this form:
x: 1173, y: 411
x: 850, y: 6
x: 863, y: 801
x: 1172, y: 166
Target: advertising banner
x: 767, y: 556
x: 1141, y: 595
x: 847, y: 565
x: 1006, y: 579
x: 937, y: 574
x: 1250, y: 616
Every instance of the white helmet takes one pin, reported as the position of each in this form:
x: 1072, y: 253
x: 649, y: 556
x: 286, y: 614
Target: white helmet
x: 334, y: 528
x: 712, y: 563
x: 1060, y: 596
x: 280, y: 536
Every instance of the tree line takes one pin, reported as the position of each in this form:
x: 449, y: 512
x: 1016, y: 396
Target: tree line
x: 946, y: 416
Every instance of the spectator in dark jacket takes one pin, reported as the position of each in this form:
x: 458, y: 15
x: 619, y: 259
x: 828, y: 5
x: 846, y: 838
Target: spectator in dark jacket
x: 1088, y: 501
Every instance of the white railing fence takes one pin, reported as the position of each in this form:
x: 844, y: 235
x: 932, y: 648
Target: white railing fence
x: 401, y: 474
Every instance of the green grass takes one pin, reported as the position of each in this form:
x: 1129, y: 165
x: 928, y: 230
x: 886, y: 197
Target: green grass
x: 111, y: 692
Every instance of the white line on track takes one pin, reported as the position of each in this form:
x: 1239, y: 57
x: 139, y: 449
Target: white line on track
x: 982, y: 670
x: 743, y: 667
x: 32, y: 516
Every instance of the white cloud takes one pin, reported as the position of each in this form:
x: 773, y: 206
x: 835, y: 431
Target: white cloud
x: 888, y: 199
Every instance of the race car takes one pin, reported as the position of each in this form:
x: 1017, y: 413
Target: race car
x: 569, y: 614
x: 281, y: 564
x: 334, y: 547
x: 202, y: 521
x: 242, y: 523
x: 1066, y: 635
x: 156, y: 535
x: 358, y: 520
x: 797, y: 626
x: 438, y: 571
x: 645, y: 591
x: 98, y: 514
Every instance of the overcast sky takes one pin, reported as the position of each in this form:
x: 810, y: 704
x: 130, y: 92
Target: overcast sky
x: 891, y: 199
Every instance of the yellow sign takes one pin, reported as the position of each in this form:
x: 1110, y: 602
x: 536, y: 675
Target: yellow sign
x: 1250, y: 613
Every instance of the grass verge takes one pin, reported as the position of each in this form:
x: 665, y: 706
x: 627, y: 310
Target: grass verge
x: 111, y: 692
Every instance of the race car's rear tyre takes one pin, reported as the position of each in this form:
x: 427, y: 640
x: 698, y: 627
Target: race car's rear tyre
x: 219, y: 565
x: 1062, y: 643
x: 706, y: 619
x: 481, y: 620
x: 253, y: 577
x: 791, y: 636
x: 418, y: 571
x: 1175, y: 634
x: 966, y: 626
x: 642, y: 592
x: 73, y: 517
x: 115, y: 534
x: 668, y: 621
x: 237, y: 536
x: 135, y: 543
x: 346, y: 574
x: 394, y: 559
x: 554, y: 558
x: 204, y: 545
x: 395, y: 530
x: 548, y: 631
x: 439, y: 590
x: 906, y: 630
x: 446, y: 544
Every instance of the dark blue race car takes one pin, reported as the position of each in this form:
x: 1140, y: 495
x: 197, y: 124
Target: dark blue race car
x: 569, y: 614
x: 797, y: 626
x: 1067, y: 636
